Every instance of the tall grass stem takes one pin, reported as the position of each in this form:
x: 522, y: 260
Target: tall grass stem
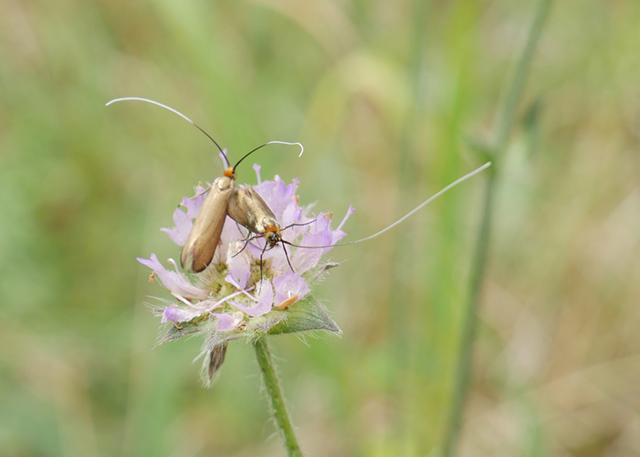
x: 505, y: 118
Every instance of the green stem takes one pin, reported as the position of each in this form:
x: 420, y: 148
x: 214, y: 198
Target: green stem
x: 505, y: 120
x: 515, y: 85
x: 278, y: 407
x: 465, y: 356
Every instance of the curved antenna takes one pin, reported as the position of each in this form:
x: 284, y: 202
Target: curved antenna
x: 409, y: 214
x: 175, y: 111
x: 267, y: 143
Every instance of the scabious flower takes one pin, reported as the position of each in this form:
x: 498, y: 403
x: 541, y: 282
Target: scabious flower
x: 234, y: 298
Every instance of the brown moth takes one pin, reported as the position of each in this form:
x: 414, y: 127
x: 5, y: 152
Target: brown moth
x: 202, y: 242
x: 204, y: 237
x: 248, y: 209
x: 226, y: 199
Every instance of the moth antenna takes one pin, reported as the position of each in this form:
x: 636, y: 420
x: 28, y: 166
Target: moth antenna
x: 409, y: 214
x: 261, y: 261
x: 175, y: 111
x: 298, y: 225
x: 263, y: 145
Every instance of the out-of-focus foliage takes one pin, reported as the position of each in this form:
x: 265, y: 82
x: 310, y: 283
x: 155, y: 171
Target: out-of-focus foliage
x: 384, y: 95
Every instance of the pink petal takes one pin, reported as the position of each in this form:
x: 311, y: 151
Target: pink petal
x: 350, y: 211
x: 226, y: 323
x: 306, y: 258
x: 193, y: 205
x: 183, y: 225
x: 290, y: 285
x: 176, y: 314
x: 239, y: 268
x: 257, y: 168
x: 265, y: 300
x: 175, y: 282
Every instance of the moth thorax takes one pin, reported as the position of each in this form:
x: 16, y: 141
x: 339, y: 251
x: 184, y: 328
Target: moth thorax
x: 223, y: 182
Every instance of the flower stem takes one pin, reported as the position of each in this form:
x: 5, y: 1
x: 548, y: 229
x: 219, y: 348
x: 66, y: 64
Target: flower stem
x: 279, y: 409
x: 504, y: 124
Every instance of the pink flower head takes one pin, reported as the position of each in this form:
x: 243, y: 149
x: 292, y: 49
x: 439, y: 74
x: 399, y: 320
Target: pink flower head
x: 246, y: 303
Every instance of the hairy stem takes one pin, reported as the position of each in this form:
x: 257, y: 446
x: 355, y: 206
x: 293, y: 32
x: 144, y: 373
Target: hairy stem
x: 278, y: 407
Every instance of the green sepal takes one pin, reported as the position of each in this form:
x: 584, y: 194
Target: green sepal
x: 254, y: 328
x: 303, y: 316
x: 180, y: 329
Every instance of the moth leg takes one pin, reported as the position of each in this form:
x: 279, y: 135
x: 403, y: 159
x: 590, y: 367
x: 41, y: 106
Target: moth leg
x: 247, y: 240
x: 286, y: 254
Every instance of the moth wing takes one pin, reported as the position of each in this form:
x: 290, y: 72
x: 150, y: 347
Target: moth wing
x: 247, y: 208
x: 203, y: 240
x: 259, y: 202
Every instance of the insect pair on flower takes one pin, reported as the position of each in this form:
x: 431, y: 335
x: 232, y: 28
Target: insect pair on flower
x: 247, y: 291
x: 244, y: 287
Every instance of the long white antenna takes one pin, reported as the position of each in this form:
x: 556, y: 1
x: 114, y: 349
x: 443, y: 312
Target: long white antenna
x: 290, y: 144
x: 153, y: 102
x: 175, y: 111
x: 422, y: 205
x: 409, y: 214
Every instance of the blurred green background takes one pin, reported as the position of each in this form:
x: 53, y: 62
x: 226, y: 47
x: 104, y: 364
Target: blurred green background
x: 384, y: 95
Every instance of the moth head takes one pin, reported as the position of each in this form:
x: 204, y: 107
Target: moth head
x: 230, y: 173
x: 272, y: 232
